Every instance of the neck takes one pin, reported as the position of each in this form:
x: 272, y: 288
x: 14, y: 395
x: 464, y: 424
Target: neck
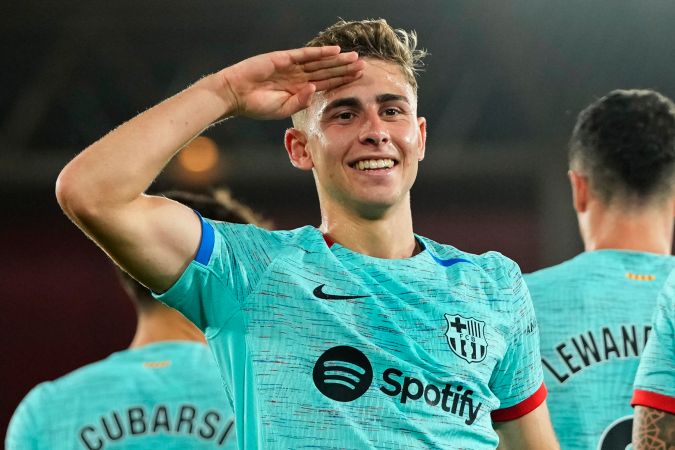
x: 161, y: 323
x: 641, y: 229
x: 389, y: 236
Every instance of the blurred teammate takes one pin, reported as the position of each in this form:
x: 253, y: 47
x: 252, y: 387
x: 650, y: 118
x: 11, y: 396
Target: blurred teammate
x: 654, y: 396
x: 594, y: 310
x: 357, y: 334
x: 164, y: 392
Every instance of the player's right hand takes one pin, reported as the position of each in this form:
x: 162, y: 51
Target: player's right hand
x: 278, y: 84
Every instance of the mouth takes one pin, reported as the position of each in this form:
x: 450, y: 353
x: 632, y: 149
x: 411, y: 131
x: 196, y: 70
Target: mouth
x: 373, y: 164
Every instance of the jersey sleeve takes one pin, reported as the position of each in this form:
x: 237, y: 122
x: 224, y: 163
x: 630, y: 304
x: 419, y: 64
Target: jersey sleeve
x: 23, y: 430
x: 226, y: 267
x: 518, y: 380
x: 655, y: 379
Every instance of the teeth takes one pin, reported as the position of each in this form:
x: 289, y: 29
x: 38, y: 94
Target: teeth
x: 370, y: 164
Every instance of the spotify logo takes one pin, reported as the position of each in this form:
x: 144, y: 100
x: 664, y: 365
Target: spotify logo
x: 617, y: 435
x: 343, y: 374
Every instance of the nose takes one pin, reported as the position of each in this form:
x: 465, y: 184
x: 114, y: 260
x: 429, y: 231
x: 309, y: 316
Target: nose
x: 374, y: 131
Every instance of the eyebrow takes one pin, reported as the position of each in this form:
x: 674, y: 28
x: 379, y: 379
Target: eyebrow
x: 351, y: 102
x: 384, y: 98
x: 354, y: 102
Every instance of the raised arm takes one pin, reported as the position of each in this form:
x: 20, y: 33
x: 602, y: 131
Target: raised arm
x: 102, y: 189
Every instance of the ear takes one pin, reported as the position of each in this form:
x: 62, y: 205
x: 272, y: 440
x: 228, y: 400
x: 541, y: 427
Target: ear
x: 580, y: 190
x: 421, y: 150
x: 296, y: 146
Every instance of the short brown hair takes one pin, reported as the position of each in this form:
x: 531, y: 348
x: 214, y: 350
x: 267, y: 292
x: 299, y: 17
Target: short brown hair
x: 625, y: 142
x: 376, y: 39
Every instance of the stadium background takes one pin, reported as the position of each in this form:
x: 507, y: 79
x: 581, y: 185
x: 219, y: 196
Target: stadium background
x: 501, y: 90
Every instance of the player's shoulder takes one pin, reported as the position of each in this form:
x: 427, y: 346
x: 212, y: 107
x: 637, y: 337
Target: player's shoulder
x: 669, y: 283
x: 600, y: 263
x: 557, y: 272
x: 178, y: 357
x: 94, y: 370
x: 238, y: 234
x: 124, y: 367
x: 38, y: 395
x: 229, y: 229
x: 61, y: 389
x: 492, y: 263
x: 667, y: 294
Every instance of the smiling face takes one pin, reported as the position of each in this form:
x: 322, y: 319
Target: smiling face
x: 363, y: 141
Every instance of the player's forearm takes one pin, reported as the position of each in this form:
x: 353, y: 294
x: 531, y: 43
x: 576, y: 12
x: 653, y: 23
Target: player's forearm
x: 118, y: 168
x: 537, y: 440
x: 653, y: 429
x: 532, y: 431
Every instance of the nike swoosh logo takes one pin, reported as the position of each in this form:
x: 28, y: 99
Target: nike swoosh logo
x: 318, y: 292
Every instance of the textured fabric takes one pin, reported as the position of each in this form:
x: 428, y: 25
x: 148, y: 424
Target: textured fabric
x: 655, y: 380
x: 327, y: 348
x: 167, y: 395
x: 594, y: 317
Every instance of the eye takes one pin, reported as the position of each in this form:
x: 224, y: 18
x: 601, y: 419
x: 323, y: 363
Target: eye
x: 391, y: 112
x: 345, y: 115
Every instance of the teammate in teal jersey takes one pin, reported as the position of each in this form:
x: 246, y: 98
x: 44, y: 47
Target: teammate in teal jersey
x: 164, y: 392
x: 654, y: 395
x: 594, y: 310
x: 357, y: 334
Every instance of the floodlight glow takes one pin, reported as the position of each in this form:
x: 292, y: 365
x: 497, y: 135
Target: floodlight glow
x: 201, y: 155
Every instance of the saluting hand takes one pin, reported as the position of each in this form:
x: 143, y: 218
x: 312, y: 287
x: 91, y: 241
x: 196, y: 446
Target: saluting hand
x: 278, y: 84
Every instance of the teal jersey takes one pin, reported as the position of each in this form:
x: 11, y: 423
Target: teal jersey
x: 167, y: 395
x: 594, y: 318
x: 326, y: 348
x: 655, y: 380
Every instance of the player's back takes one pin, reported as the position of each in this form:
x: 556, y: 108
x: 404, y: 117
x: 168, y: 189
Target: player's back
x: 594, y: 316
x: 165, y: 395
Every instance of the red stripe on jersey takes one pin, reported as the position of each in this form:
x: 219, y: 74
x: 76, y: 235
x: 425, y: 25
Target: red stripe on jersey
x: 329, y: 241
x: 526, y: 406
x: 653, y: 400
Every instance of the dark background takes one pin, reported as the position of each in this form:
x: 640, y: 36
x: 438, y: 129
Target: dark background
x: 501, y: 90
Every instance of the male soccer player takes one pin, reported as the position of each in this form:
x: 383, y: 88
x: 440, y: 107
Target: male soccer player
x: 594, y: 310
x: 357, y: 334
x: 654, y: 395
x: 164, y: 392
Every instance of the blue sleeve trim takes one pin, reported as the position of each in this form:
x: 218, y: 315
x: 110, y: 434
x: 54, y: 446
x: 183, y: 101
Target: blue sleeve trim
x: 207, y: 241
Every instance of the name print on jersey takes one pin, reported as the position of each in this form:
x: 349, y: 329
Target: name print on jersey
x: 466, y: 337
x: 136, y: 422
x: 344, y: 374
x: 588, y: 348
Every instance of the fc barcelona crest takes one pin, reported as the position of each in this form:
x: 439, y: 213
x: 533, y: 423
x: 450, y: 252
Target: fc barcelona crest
x: 466, y: 337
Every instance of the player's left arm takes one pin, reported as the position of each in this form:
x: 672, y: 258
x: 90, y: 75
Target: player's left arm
x: 653, y: 429
x: 531, y: 431
x: 654, y: 394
